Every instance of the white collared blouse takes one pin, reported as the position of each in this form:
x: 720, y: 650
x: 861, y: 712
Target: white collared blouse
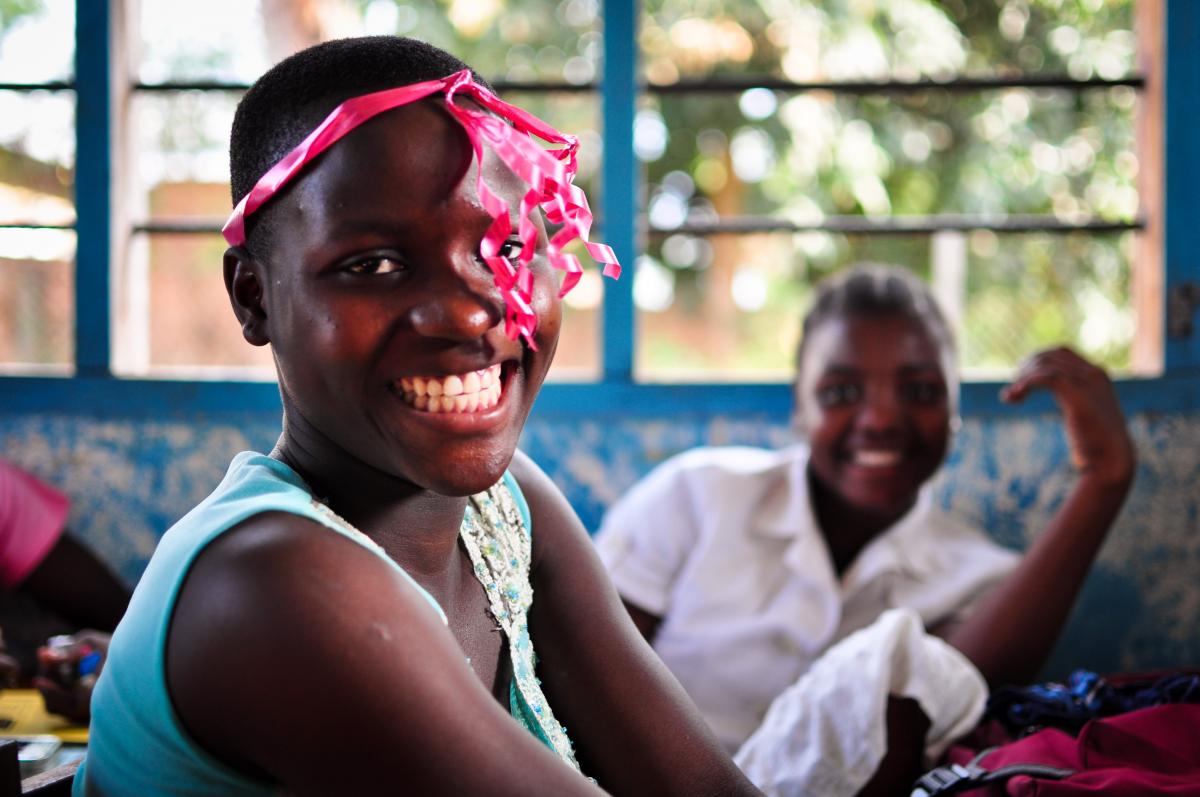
x: 722, y: 544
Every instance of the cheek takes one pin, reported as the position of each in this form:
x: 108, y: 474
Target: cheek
x: 824, y: 430
x: 935, y: 430
x: 548, y: 309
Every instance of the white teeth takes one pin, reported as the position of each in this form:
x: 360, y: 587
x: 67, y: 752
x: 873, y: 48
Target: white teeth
x: 876, y: 459
x: 470, y: 392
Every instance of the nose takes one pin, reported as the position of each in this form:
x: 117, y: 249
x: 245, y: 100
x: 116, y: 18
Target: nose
x: 881, y: 411
x: 460, y: 303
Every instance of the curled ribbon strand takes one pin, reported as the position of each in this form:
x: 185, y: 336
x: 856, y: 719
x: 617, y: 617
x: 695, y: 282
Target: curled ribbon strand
x: 548, y: 172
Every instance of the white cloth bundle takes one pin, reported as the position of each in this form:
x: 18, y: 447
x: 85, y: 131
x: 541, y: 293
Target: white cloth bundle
x: 826, y: 734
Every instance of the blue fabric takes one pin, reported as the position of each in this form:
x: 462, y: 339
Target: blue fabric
x: 137, y: 745
x: 1086, y: 696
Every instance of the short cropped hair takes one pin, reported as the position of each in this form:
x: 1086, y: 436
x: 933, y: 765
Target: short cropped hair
x: 875, y: 290
x: 288, y: 101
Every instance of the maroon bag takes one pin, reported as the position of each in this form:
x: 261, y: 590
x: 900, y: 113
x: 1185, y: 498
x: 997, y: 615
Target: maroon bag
x: 1151, y: 751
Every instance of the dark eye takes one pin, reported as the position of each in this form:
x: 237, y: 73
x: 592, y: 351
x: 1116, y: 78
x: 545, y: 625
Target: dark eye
x: 923, y: 392
x: 511, y: 248
x: 838, y: 394
x: 380, y: 264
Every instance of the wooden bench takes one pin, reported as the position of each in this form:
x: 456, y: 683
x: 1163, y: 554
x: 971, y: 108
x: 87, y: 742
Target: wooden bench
x: 54, y: 782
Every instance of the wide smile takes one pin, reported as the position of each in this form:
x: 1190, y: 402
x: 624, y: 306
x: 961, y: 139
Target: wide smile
x: 470, y: 392
x: 876, y: 458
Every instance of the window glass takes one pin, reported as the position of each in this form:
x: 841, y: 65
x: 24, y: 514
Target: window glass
x: 37, y: 162
x: 181, y: 155
x: 713, y: 156
x: 37, y: 40
x: 37, y: 157
x: 1015, y: 151
x: 181, y: 150
x: 235, y: 41
x: 185, y: 324
x: 37, y: 284
x: 845, y: 40
x: 729, y: 307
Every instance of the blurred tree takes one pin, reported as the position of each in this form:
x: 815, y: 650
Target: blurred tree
x: 1061, y: 153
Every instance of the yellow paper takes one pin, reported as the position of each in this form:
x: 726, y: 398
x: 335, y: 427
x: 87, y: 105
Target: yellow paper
x: 23, y: 713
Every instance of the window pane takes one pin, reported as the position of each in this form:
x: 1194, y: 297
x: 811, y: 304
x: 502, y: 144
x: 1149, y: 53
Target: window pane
x: 184, y: 324
x: 578, y: 355
x: 844, y: 40
x: 728, y: 307
x: 183, y: 175
x: 231, y: 40
x: 37, y: 285
x: 37, y: 41
x: 812, y: 154
x: 182, y: 155
x: 37, y: 157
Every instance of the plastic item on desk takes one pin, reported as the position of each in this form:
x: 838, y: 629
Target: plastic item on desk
x: 37, y: 753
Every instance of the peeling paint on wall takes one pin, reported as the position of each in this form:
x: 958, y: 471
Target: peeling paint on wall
x: 130, y: 480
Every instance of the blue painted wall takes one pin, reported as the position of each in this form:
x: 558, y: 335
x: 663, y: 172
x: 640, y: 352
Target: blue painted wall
x: 130, y: 478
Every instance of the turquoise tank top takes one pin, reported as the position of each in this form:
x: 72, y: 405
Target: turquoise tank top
x: 138, y: 746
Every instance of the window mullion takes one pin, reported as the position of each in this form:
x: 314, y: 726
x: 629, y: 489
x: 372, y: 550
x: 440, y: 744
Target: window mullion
x: 620, y: 183
x: 93, y: 200
x: 1182, y: 202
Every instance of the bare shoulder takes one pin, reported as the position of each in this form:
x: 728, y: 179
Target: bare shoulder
x: 294, y: 649
x: 278, y: 593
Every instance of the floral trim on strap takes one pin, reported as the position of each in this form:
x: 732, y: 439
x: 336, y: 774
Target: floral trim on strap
x: 498, y: 543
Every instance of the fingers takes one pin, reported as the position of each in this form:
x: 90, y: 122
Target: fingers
x: 1059, y: 370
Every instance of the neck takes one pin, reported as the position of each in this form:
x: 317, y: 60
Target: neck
x: 418, y: 528
x: 847, y: 528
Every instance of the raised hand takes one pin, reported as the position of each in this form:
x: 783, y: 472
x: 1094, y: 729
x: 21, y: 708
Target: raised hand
x: 1096, y: 430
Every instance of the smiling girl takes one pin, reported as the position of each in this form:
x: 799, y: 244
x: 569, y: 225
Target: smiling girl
x: 744, y: 566
x: 358, y: 611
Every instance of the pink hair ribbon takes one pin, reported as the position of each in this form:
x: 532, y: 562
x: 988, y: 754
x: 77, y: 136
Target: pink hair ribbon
x: 548, y: 172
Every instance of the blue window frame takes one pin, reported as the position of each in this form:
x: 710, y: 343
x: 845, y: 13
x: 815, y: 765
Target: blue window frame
x: 93, y: 388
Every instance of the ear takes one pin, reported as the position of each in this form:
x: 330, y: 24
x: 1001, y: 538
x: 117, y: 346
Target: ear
x: 244, y: 280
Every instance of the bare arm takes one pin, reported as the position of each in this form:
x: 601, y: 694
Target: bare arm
x: 297, y: 656
x: 644, y: 621
x: 1009, y: 637
x: 634, y: 727
x: 72, y: 581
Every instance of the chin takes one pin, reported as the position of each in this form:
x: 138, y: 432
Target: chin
x: 467, y: 479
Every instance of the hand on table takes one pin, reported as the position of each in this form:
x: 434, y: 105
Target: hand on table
x: 67, y: 671
x: 1096, y: 432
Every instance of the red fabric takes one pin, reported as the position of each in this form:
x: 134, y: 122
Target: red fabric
x: 1152, y: 751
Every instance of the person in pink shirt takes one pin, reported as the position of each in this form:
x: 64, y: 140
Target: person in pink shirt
x: 50, y: 582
